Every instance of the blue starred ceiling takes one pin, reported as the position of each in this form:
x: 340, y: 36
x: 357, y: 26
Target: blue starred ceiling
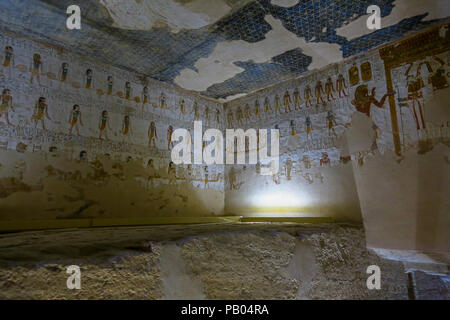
x: 218, y: 48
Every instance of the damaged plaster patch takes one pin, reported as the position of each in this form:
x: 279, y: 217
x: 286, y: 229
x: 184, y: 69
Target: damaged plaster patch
x: 403, y: 9
x: 146, y: 14
x: 284, y: 3
x: 220, y: 65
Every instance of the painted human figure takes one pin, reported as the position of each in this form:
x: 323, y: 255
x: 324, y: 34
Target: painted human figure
x: 341, y: 86
x: 63, y: 72
x: 325, y: 160
x: 247, y: 113
x: 7, y: 103
x: 36, y: 68
x: 172, y: 173
x: 75, y: 118
x: 41, y: 111
x: 287, y: 102
x: 110, y: 84
x: 218, y: 116
x: 306, y: 162
x: 257, y: 109
x: 145, y: 97
x: 297, y: 102
x: 331, y: 120
x: 308, y: 126
x: 292, y: 126
x: 239, y: 115
x: 169, y: 137
x: 89, y: 79
x: 363, y: 101
x: 182, y: 104
x: 329, y: 89
x: 230, y: 117
x: 205, y: 172
x: 126, y: 127
x: 206, y: 115
x: 104, y: 124
x: 267, y: 107
x: 288, y: 168
x: 277, y: 104
x: 127, y: 90
x: 308, y: 94
x: 152, y: 135
x: 232, y: 178
x: 195, y: 110
x: 319, y: 91
x: 162, y: 101
x: 152, y: 174
x: 8, y: 59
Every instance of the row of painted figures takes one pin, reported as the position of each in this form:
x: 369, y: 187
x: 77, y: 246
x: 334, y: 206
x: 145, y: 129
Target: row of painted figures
x: 143, y: 98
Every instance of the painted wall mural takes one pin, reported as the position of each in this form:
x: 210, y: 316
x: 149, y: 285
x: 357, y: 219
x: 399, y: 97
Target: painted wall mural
x: 79, y: 138
x: 342, y: 121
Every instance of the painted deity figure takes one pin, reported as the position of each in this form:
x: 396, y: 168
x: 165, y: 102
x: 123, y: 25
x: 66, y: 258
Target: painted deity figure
x: 8, y: 59
x: 75, y: 119
x: 247, y: 113
x: 239, y: 115
x: 306, y: 162
x: 232, y: 178
x: 287, y: 102
x: 329, y: 89
x: 325, y: 160
x: 126, y: 126
x: 267, y: 107
x: 415, y: 86
x: 172, y: 173
x: 63, y: 72
x: 288, y: 168
x: 195, y: 110
x: 297, y: 102
x: 292, y: 126
x: 6, y: 104
x: 127, y: 90
x: 331, y: 120
x: 152, y: 173
x: 341, y: 86
x: 230, y: 118
x: 308, y: 94
x: 36, y: 68
x: 206, y: 175
x: 110, y: 85
x: 41, y: 111
x: 218, y: 116
x: 89, y: 79
x: 308, y: 126
x: 104, y: 124
x: 319, y: 91
x: 257, y: 109
x: 182, y: 104
x: 152, y: 134
x: 162, y: 100
x: 206, y: 115
x: 169, y: 137
x: 277, y: 104
x: 145, y: 97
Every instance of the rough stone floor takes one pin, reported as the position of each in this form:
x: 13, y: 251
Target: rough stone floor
x: 209, y: 261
